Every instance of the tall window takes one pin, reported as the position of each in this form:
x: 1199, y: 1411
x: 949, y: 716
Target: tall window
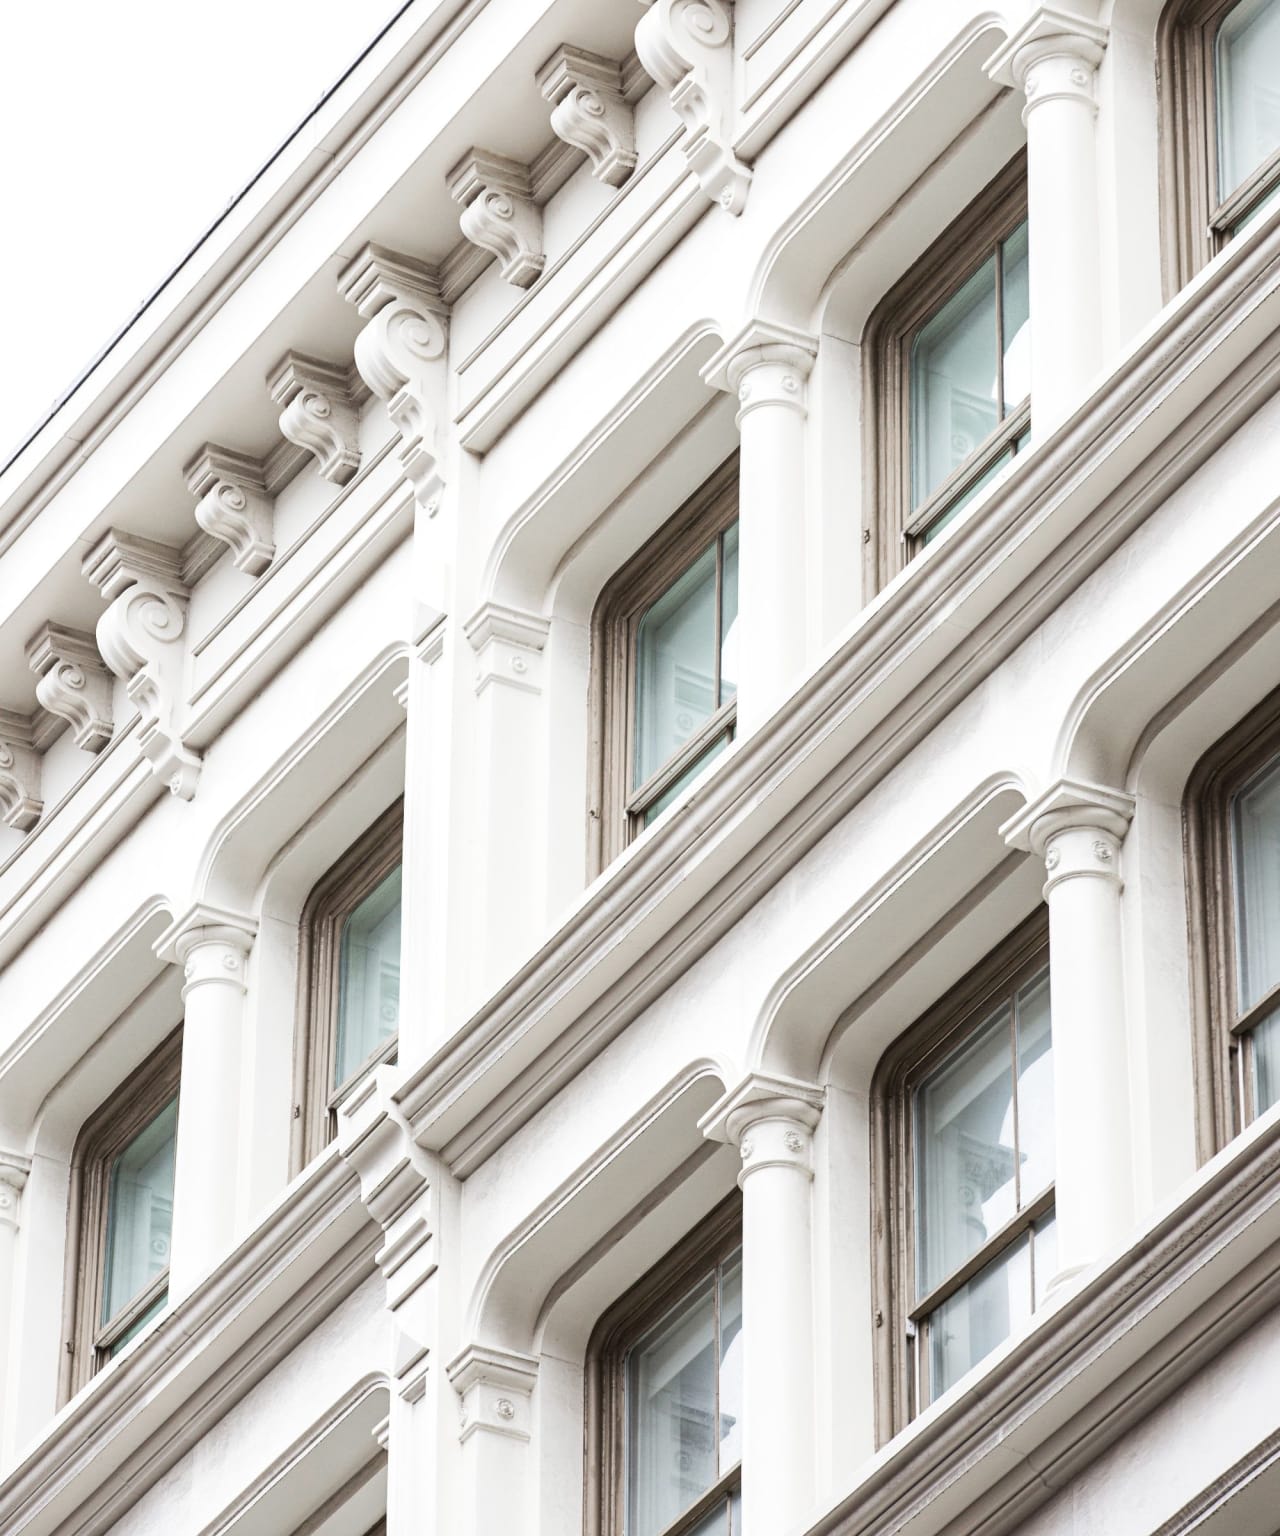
x: 1221, y: 72
x: 965, y: 1150
x: 665, y: 663
x: 664, y: 1430
x: 950, y: 351
x: 1233, y: 825
x: 122, y: 1215
x: 349, y: 965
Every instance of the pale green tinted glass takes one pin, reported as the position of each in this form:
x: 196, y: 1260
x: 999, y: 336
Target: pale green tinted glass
x: 954, y: 398
x: 678, y: 785
x: 675, y: 666
x: 368, y: 978
x: 1263, y: 205
x: 954, y: 508
x: 1035, y: 1089
x: 729, y: 625
x: 980, y: 1316
x: 730, y: 1364
x: 1247, y: 62
x: 1016, y: 317
x: 138, y: 1324
x: 1256, y: 829
x: 139, y: 1212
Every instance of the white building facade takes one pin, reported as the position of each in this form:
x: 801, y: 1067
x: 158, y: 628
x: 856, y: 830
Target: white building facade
x: 640, y: 799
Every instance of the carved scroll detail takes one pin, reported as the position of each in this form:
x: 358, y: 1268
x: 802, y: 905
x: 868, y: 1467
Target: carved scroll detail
x: 499, y: 214
x: 318, y: 413
x: 590, y: 112
x: 73, y: 683
x: 233, y: 505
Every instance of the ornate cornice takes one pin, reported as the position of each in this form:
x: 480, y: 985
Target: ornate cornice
x: 590, y: 111
x: 233, y: 505
x: 72, y: 683
x: 20, y: 801
x: 499, y: 214
x: 318, y: 412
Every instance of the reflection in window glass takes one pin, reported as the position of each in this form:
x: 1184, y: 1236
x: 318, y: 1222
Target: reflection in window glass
x: 1247, y: 63
x: 1256, y: 818
x: 979, y: 1316
x: 368, y: 978
x: 139, y: 1214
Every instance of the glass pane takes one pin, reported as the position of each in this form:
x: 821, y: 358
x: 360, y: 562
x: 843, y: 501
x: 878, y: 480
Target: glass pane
x: 1257, y: 848
x: 671, y: 1406
x: 953, y: 382
x: 139, y: 1212
x: 715, y: 1522
x: 955, y: 508
x: 138, y: 1324
x: 731, y: 1364
x: 965, y: 1159
x: 675, y: 666
x: 1247, y: 60
x: 980, y: 1316
x: 729, y: 626
x: 1035, y: 1089
x: 694, y: 769
x: 1045, y: 1254
x: 1263, y: 205
x: 1017, y: 321
x: 368, y: 978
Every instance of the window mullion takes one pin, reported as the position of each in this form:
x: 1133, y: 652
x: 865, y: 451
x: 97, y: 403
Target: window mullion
x: 1000, y: 402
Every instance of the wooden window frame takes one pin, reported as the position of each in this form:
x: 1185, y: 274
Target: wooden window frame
x: 906, y: 1063
x: 709, y: 1244
x: 1197, y: 223
x: 894, y: 532
x: 107, y: 1132
x: 1221, y: 1041
x: 367, y: 862
x: 616, y: 810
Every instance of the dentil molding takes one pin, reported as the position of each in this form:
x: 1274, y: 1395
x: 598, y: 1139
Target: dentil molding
x: 402, y: 355
x: 590, y: 111
x: 233, y: 505
x: 72, y: 683
x: 687, y: 47
x: 319, y: 413
x: 20, y: 802
x: 499, y: 214
x: 140, y: 639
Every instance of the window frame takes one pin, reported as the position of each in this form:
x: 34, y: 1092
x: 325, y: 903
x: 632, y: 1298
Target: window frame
x: 922, y: 1047
x: 105, y: 1134
x: 368, y: 861
x: 615, y: 812
x: 1196, y: 220
x: 893, y: 533
x: 709, y: 1244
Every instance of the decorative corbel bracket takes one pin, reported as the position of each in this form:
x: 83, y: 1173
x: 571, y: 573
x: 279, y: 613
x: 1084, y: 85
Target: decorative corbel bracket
x: 140, y: 639
x: 496, y: 1389
x: 20, y: 802
x: 508, y: 644
x: 687, y: 47
x: 72, y: 683
x: 499, y: 214
x: 402, y: 355
x: 590, y: 112
x: 232, y: 505
x: 318, y: 413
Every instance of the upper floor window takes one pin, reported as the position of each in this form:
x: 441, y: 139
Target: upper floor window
x: 122, y: 1214
x: 665, y: 662
x: 664, y: 1434
x: 950, y: 351
x: 349, y: 964
x: 1222, y: 103
x: 1233, y: 823
x: 965, y: 1163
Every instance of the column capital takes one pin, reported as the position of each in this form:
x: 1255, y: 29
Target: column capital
x: 1069, y: 805
x: 1051, y: 34
x: 770, y: 1120
x: 211, y: 944
x: 14, y: 1168
x: 508, y: 643
x: 495, y: 1386
x: 764, y: 364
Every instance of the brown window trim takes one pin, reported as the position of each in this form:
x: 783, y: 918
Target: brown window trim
x: 907, y: 1061
x: 604, y: 1439
x: 104, y: 1135
x: 892, y: 531
x: 1196, y: 222
x: 615, y: 812
x: 368, y: 861
x: 1220, y: 1042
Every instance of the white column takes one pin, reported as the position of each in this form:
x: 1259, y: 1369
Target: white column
x: 212, y: 946
x: 767, y: 367
x: 1077, y: 828
x: 1052, y: 58
x: 14, y: 1169
x: 497, y: 1492
x: 771, y: 1120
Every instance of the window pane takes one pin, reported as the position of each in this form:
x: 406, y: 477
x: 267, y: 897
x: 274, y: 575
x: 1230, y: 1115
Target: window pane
x: 1247, y: 58
x: 139, y: 1212
x: 1263, y: 205
x: 368, y: 978
x: 671, y: 1407
x: 955, y: 508
x: 1035, y: 1089
x: 731, y: 1364
x: 965, y: 1158
x: 675, y: 666
x: 729, y: 625
x: 1257, y: 849
x: 953, y: 382
x: 980, y: 1316
x: 653, y: 811
x: 138, y: 1324
x: 1017, y: 321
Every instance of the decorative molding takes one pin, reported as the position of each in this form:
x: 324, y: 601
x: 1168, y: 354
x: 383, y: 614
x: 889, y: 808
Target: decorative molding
x: 14, y: 1169
x: 764, y: 364
x: 687, y: 47
x: 72, y: 683
x: 402, y: 355
x: 318, y: 412
x: 233, y: 505
x: 211, y: 944
x: 508, y: 644
x: 590, y: 111
x: 139, y: 637
x: 1069, y: 805
x: 496, y: 1388
x: 770, y: 1120
x: 1051, y: 57
x: 20, y: 802
x: 499, y: 214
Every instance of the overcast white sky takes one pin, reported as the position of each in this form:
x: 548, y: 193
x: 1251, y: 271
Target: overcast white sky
x: 125, y: 128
